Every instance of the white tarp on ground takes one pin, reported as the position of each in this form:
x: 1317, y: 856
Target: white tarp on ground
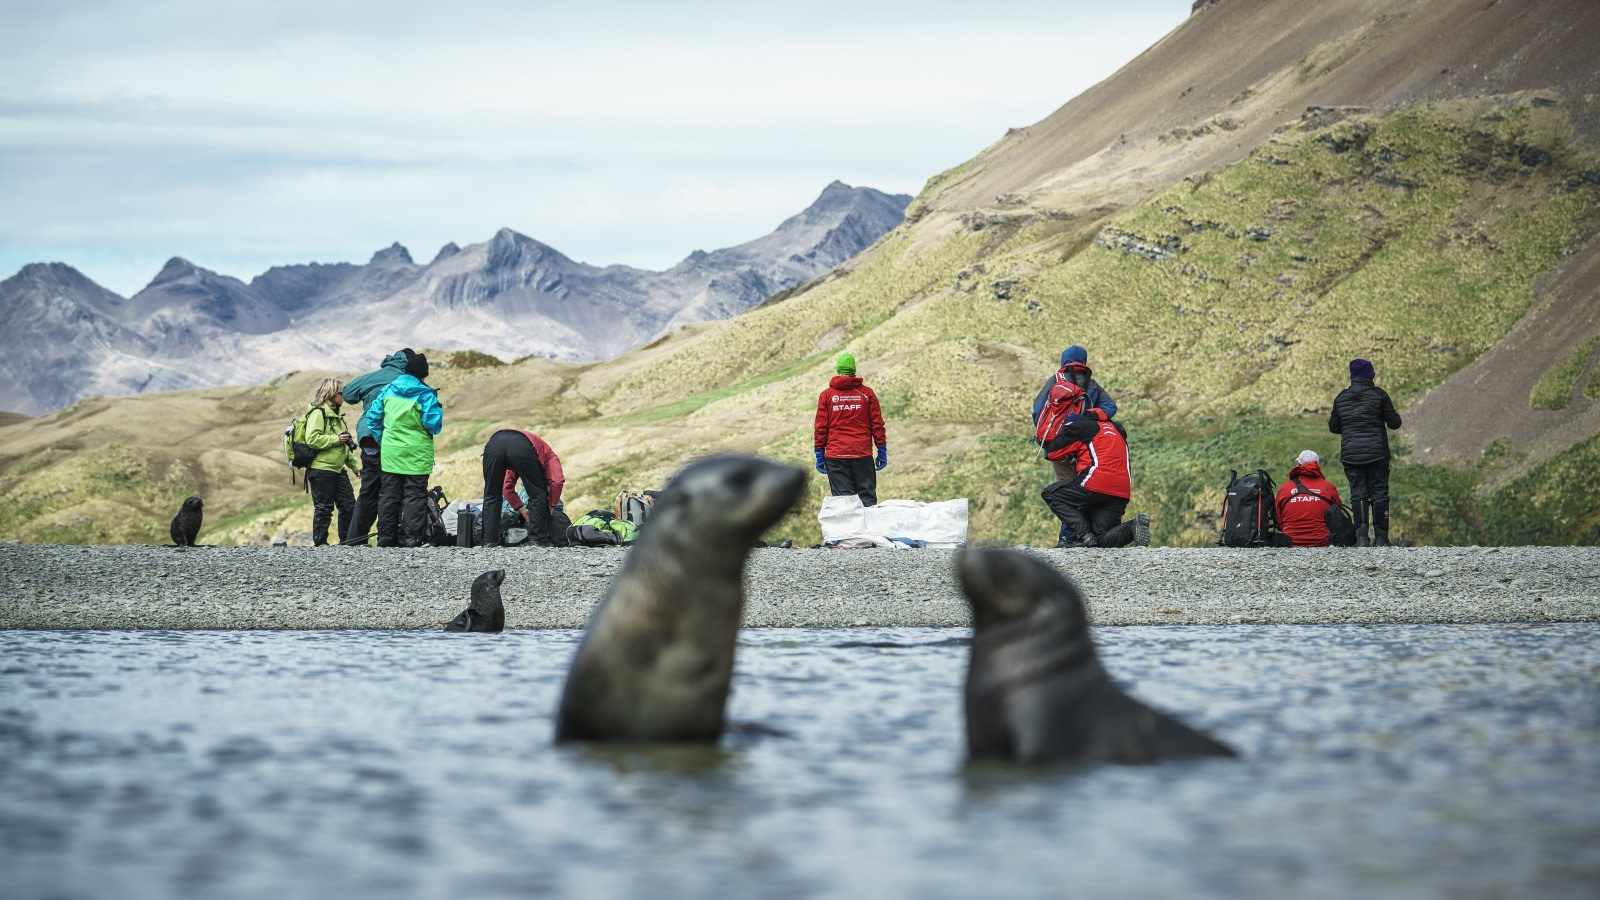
x: 449, y: 512
x: 941, y: 524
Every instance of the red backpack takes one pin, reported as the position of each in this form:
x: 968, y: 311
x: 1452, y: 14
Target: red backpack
x: 1066, y: 400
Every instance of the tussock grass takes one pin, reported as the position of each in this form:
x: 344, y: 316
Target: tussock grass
x: 1553, y: 390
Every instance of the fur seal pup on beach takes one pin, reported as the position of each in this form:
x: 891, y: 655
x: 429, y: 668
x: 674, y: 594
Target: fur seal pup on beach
x: 1036, y: 692
x: 485, y: 612
x: 657, y: 654
x: 186, y: 524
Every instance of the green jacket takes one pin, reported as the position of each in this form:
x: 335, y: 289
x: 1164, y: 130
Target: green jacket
x: 363, y: 389
x: 404, y: 419
x: 323, y: 424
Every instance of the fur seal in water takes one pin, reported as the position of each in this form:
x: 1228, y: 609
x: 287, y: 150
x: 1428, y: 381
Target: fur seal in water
x: 1036, y: 692
x: 186, y: 524
x: 657, y: 654
x: 485, y: 612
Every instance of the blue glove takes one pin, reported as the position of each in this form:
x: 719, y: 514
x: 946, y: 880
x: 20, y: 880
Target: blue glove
x: 822, y: 468
x: 883, y: 458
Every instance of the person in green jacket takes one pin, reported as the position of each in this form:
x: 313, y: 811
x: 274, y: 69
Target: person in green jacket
x: 330, y: 487
x: 403, y: 420
x: 361, y: 391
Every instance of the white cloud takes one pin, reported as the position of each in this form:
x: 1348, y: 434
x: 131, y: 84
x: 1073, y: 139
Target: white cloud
x: 245, y: 135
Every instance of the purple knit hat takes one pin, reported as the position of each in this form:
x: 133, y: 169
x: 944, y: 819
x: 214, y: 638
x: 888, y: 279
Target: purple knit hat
x: 1360, y: 368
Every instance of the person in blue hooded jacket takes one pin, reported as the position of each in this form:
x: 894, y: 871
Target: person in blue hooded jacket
x: 361, y: 391
x: 1074, y: 368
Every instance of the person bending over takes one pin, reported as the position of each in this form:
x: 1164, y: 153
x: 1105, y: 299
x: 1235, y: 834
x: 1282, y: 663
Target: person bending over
x: 513, y: 454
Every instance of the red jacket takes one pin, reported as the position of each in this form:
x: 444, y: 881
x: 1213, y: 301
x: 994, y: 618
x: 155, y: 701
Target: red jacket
x: 848, y: 421
x: 553, y: 476
x: 1300, y: 516
x: 1101, y: 452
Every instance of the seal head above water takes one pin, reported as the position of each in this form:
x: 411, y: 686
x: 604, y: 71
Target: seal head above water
x: 186, y: 524
x: 1036, y: 692
x: 657, y: 654
x: 485, y: 612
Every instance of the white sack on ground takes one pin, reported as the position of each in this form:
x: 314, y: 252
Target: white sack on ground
x: 940, y: 524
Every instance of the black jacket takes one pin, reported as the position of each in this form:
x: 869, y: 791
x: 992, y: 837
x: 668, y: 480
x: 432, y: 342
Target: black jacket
x: 1360, y: 413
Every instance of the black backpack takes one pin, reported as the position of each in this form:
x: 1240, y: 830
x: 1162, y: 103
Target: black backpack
x: 1249, y: 511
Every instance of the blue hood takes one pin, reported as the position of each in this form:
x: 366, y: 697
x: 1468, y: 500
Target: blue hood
x: 1074, y: 354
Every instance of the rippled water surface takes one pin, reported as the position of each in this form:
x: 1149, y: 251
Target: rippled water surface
x: 1377, y: 761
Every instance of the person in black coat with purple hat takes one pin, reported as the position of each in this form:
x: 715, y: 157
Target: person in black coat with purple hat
x: 1361, y: 414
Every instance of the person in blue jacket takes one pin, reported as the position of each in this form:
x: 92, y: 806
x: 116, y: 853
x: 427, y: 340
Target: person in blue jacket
x: 1074, y: 368
x: 361, y: 391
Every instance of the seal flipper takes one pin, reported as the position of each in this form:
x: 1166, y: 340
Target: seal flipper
x: 1127, y: 731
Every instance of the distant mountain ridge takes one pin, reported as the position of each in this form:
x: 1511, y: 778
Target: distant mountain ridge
x: 64, y: 337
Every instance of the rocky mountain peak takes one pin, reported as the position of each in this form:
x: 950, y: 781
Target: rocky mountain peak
x: 392, y: 254
x: 176, y: 269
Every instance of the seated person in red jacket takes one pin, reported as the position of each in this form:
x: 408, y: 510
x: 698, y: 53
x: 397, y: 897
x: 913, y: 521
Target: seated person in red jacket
x: 1303, y: 498
x: 1092, y: 501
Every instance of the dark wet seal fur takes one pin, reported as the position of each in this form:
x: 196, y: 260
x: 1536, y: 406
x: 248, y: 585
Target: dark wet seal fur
x: 485, y: 612
x: 657, y: 654
x: 186, y: 524
x: 1036, y: 692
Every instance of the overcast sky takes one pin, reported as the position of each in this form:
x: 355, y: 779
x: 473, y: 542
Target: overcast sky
x: 242, y: 135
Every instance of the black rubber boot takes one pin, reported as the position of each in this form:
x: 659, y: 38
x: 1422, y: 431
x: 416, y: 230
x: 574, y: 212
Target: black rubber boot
x: 1380, y: 524
x: 1359, y: 507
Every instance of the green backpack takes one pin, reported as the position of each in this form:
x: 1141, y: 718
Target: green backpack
x: 601, y: 528
x: 295, y: 449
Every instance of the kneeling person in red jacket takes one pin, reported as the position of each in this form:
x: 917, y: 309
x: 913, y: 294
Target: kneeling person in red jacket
x: 1092, y: 502
x: 849, y: 421
x: 1303, y: 499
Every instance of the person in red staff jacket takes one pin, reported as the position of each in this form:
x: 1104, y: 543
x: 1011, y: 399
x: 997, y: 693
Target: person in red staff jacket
x: 513, y: 454
x: 1092, y: 501
x: 849, y: 422
x: 1303, y: 499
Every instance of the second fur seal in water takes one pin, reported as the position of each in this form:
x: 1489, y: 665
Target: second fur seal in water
x: 657, y: 654
x: 1036, y: 692
x: 186, y: 524
x: 485, y: 612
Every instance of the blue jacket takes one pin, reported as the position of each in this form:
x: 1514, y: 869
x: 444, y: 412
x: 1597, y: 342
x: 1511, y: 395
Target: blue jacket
x: 363, y: 389
x: 404, y: 419
x: 1098, y: 398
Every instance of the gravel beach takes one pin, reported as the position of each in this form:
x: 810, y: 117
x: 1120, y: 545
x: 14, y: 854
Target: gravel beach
x: 143, y: 587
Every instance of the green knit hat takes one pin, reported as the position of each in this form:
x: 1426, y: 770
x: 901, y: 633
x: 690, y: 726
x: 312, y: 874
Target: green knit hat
x: 846, y: 364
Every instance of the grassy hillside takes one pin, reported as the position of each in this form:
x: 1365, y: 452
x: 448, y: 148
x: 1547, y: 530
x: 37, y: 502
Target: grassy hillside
x: 1220, y: 312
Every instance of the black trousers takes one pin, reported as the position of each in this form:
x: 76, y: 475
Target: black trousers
x: 1065, y: 470
x: 1088, y: 512
x: 329, y: 490
x: 367, y: 501
x: 1369, y: 482
x: 1369, y: 492
x: 853, y: 476
x: 511, y: 451
x: 402, y: 513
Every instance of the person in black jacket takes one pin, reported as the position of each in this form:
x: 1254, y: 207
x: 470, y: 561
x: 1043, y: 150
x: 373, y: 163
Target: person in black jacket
x: 1360, y: 415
